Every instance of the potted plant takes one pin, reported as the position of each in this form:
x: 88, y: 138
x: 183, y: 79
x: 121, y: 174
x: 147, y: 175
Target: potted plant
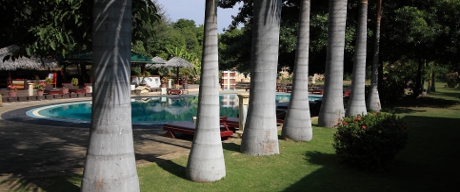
x: 65, y: 90
x: 74, y: 82
x: 164, y: 80
x: 12, y: 90
x: 48, y: 80
x: 87, y: 89
x: 40, y: 88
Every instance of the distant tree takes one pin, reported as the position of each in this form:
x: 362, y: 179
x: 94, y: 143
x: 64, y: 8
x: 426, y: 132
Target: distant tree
x: 235, y: 55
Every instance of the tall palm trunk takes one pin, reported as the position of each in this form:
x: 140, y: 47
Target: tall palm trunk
x: 297, y: 124
x: 357, y: 102
x: 332, y: 110
x: 110, y: 164
x: 260, y: 133
x: 206, y: 161
x: 373, y: 101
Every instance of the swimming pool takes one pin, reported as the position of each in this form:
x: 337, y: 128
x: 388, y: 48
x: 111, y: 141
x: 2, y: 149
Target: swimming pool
x: 147, y: 110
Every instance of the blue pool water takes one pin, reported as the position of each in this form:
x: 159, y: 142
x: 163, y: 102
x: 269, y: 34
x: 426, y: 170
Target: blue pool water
x: 148, y: 110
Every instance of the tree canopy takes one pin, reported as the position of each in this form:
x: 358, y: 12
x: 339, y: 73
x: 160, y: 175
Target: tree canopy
x: 58, y: 27
x: 410, y: 30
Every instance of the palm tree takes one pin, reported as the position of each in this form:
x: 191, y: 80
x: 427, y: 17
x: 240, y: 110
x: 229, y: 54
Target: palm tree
x: 373, y: 101
x: 357, y: 101
x: 297, y: 124
x: 110, y: 163
x: 206, y: 161
x: 260, y: 133
x: 332, y: 110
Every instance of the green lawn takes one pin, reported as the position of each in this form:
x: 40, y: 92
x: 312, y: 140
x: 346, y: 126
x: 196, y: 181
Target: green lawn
x: 428, y: 163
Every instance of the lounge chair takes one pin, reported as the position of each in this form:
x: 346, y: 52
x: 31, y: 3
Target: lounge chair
x: 317, y: 90
x: 174, y: 91
x: 189, y: 128
x: 50, y: 90
x: 73, y: 89
x: 234, y: 122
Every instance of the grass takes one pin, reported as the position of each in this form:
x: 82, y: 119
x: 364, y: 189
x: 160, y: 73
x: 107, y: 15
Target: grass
x: 428, y: 163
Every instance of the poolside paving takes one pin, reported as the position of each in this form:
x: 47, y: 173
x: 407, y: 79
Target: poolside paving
x: 31, y: 149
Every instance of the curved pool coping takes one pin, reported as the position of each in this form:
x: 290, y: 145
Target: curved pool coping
x: 20, y: 116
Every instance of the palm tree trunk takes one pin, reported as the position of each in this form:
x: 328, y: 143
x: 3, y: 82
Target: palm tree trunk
x: 332, y: 110
x: 297, y: 124
x: 373, y: 101
x: 357, y: 101
x: 260, y: 133
x: 206, y: 161
x: 110, y: 163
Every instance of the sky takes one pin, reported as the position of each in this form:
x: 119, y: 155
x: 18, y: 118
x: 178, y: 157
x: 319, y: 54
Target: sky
x: 194, y: 10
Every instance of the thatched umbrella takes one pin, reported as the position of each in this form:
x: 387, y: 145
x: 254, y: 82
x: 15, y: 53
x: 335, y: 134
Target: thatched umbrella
x: 155, y: 61
x: 23, y: 62
x: 178, y: 62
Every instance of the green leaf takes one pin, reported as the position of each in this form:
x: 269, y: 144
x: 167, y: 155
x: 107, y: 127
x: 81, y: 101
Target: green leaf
x: 53, y: 45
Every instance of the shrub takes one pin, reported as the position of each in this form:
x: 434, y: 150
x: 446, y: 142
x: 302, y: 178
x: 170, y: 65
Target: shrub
x: 453, y: 79
x: 397, y: 77
x: 371, y: 141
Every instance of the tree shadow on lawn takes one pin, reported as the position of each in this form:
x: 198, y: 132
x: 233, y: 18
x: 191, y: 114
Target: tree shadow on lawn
x: 173, y: 168
x: 429, y: 162
x: 333, y: 175
x: 32, y: 156
x: 411, y: 105
x: 231, y: 147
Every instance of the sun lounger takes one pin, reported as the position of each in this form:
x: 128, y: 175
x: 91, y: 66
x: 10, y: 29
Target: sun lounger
x: 189, y: 129
x: 50, y: 90
x: 73, y: 89
x: 234, y: 122
x: 174, y: 92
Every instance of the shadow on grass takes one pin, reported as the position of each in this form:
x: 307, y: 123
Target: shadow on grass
x: 173, y: 168
x: 411, y: 105
x: 429, y: 162
x: 323, y: 179
x: 431, y: 102
x: 231, y: 147
x: 55, y: 184
x: 35, y: 158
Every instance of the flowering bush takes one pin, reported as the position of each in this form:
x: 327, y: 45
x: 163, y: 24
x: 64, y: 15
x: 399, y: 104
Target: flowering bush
x: 40, y: 86
x: 371, y: 141
x: 12, y: 88
x: 453, y: 79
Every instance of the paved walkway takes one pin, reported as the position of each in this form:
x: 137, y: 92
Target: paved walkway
x: 35, y: 150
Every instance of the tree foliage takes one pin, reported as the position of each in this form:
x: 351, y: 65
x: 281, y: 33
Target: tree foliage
x: 58, y: 27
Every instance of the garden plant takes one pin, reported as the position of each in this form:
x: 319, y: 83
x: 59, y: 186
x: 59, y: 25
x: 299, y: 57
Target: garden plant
x: 370, y: 141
